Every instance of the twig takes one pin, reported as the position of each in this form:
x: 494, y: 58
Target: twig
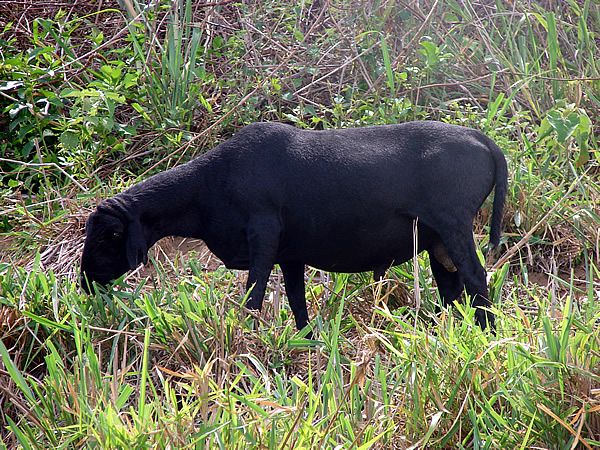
x: 406, y: 47
x: 110, y: 330
x: 543, y: 77
x: 5, y: 212
x: 452, y: 83
x: 208, y: 5
x: 509, y: 254
x: 328, y: 74
x: 50, y: 164
x: 16, y: 401
x: 100, y: 47
x: 296, y: 421
x: 416, y: 269
x: 565, y: 425
x: 250, y: 312
x: 221, y: 119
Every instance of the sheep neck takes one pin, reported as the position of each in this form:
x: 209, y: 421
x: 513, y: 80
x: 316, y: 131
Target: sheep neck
x: 166, y: 202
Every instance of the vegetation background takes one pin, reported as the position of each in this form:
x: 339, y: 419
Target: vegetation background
x: 97, y: 94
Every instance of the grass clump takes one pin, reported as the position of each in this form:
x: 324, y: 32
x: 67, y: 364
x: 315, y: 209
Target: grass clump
x: 183, y: 367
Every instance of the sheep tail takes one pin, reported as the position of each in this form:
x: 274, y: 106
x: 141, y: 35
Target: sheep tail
x: 501, y: 182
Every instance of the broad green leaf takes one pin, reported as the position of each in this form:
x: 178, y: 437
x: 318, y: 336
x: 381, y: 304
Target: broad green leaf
x: 564, y: 126
x: 69, y: 140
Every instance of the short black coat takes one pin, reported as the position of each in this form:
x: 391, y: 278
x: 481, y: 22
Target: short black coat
x: 338, y: 200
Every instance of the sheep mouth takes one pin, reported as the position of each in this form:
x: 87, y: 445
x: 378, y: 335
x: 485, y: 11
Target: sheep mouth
x: 87, y: 281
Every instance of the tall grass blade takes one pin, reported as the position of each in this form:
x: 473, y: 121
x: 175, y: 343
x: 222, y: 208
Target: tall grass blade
x: 389, y: 72
x: 144, y: 376
x: 17, y: 377
x: 553, y: 52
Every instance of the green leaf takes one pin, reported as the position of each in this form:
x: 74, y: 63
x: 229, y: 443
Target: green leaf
x: 553, y: 51
x: 124, y: 394
x: 298, y: 35
x: 16, y: 375
x: 112, y: 73
x: 431, y: 52
x: 21, y: 437
x: 130, y: 80
x: 51, y: 324
x: 564, y: 126
x: 69, y: 140
x: 141, y: 111
x: 205, y: 103
x: 388, y: 66
x: 115, y: 96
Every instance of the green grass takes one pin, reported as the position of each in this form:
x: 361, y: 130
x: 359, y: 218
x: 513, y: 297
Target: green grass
x: 181, y: 366
x: 92, y: 100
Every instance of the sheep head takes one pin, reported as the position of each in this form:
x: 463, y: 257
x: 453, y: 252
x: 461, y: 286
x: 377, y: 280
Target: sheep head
x: 114, y: 244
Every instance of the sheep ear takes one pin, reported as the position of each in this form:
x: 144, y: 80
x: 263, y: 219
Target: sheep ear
x: 137, y: 252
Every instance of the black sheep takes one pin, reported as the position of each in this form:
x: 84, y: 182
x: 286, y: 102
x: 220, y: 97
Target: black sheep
x: 339, y: 200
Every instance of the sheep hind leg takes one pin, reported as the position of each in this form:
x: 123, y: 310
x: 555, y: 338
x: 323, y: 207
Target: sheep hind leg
x: 379, y: 273
x: 449, y: 283
x: 461, y: 248
x: 263, y: 238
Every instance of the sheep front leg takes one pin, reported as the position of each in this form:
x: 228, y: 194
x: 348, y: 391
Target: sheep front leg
x: 263, y: 241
